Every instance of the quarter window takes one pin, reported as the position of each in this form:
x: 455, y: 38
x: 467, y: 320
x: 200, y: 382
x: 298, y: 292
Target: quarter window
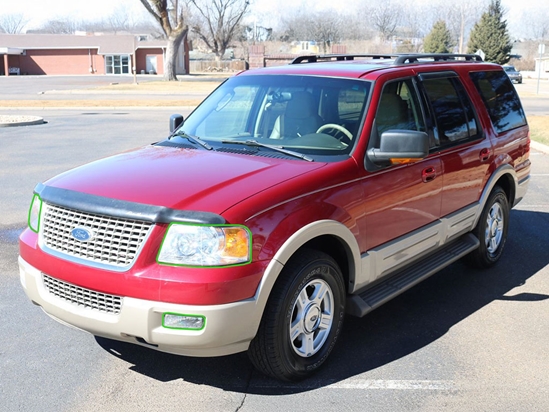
x: 501, y: 100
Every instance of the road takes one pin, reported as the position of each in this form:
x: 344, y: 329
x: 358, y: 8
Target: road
x: 464, y: 340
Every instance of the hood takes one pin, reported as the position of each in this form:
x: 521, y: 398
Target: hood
x: 182, y: 179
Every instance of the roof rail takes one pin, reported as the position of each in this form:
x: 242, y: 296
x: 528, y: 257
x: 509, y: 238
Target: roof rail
x: 338, y: 57
x: 415, y: 58
x: 398, y: 59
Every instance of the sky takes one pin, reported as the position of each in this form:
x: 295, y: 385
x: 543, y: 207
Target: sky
x: 39, y: 11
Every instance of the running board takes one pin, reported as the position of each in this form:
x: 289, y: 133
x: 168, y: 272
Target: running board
x: 372, y: 297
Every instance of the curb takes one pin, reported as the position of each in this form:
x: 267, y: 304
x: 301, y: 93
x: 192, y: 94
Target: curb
x: 14, y: 121
x: 540, y: 147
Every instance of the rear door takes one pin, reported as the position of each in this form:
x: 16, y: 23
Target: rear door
x: 465, y: 152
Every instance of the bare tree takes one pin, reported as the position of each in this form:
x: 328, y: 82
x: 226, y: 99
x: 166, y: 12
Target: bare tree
x: 461, y: 16
x: 170, y: 15
x: 537, y: 21
x: 218, y: 22
x: 385, y: 16
x: 12, y: 23
x: 63, y: 25
x: 120, y: 20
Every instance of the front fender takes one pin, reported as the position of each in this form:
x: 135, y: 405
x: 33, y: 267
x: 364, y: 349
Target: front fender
x: 298, y: 240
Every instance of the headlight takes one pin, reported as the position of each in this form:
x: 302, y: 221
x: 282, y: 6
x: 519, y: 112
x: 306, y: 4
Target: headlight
x: 204, y: 245
x: 34, y: 213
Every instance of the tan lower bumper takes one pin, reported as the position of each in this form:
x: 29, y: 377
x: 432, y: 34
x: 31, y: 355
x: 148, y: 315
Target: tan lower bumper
x: 228, y: 329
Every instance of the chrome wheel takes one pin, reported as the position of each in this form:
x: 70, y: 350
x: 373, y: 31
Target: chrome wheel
x: 494, y: 228
x: 491, y: 230
x: 312, y: 318
x: 303, y: 317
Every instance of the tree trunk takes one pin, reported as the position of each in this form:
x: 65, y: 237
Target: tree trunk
x: 172, y: 52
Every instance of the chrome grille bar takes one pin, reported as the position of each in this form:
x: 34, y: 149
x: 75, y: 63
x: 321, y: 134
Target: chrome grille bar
x: 82, y: 297
x: 114, y: 241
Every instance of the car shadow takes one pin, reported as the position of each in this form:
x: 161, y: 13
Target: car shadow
x: 401, y: 327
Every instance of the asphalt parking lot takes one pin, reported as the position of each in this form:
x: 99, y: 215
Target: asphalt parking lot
x: 464, y: 340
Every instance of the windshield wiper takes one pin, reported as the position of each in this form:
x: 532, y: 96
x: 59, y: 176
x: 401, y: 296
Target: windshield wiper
x: 194, y: 139
x: 272, y: 147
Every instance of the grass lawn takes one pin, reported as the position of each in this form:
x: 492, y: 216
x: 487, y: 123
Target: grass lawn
x: 539, y: 129
x: 164, y: 87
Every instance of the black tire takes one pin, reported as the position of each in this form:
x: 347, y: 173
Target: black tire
x: 491, y: 230
x: 317, y: 327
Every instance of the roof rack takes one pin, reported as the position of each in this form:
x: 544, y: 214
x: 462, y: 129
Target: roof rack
x: 398, y: 59
x: 338, y: 57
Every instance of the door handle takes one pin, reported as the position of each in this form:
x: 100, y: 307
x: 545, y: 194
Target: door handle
x: 484, y: 155
x: 429, y: 174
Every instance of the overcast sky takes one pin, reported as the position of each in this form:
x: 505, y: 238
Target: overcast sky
x: 39, y: 11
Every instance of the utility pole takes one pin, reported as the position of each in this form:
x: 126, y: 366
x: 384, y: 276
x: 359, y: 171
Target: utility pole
x: 541, y: 50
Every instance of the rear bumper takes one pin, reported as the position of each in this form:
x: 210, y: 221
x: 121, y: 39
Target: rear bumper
x: 228, y: 329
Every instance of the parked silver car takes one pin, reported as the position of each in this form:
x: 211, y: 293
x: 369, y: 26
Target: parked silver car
x: 513, y: 73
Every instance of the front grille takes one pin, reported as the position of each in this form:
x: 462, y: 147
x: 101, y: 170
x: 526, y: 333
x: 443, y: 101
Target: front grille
x: 83, y: 297
x: 114, y: 241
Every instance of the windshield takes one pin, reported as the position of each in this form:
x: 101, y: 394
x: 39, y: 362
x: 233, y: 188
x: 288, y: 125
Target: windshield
x: 509, y: 68
x: 305, y: 114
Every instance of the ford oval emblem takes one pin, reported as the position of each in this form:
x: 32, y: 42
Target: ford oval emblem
x: 82, y: 234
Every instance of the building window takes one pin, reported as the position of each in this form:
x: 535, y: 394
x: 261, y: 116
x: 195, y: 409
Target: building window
x: 117, y: 64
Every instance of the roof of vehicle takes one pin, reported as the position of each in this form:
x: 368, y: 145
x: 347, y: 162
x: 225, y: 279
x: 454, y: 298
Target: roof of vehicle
x: 356, y: 66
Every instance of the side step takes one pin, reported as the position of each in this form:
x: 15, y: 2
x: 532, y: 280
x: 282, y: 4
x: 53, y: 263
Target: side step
x: 372, y: 297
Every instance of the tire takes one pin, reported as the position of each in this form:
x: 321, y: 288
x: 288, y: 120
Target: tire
x: 491, y: 230
x: 308, y: 303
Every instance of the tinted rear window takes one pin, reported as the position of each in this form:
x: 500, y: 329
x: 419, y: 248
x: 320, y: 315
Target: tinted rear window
x: 455, y: 117
x: 501, y: 99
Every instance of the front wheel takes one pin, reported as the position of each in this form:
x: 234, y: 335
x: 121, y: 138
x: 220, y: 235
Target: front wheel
x: 491, y: 230
x: 302, y: 319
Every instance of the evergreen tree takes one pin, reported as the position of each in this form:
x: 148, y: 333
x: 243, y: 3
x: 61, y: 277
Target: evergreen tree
x: 491, y: 36
x: 439, y: 40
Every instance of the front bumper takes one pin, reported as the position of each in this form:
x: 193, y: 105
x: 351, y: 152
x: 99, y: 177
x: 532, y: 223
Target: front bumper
x: 228, y: 329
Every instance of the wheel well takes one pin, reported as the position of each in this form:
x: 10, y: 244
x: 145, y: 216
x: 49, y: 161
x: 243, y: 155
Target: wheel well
x: 507, y: 184
x: 334, y: 247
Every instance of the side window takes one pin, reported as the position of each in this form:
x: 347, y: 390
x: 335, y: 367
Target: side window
x: 501, y: 100
x: 455, y: 118
x: 399, y: 108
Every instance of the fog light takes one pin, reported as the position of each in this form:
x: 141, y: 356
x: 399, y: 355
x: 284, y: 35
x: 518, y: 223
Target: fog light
x: 177, y: 321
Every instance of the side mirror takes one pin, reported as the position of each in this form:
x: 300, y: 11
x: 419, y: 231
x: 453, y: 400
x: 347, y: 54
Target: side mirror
x: 400, y: 146
x: 176, y: 120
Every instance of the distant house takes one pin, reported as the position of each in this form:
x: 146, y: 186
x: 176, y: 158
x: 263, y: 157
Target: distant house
x: 60, y: 54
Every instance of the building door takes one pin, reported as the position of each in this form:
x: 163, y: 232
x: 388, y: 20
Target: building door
x: 151, y: 64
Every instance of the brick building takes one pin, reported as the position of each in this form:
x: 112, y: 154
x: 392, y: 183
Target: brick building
x: 35, y: 54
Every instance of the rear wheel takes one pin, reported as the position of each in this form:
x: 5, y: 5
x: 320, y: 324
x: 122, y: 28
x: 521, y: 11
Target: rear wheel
x: 491, y: 230
x: 302, y: 319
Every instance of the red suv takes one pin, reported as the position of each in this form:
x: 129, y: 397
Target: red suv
x: 291, y: 196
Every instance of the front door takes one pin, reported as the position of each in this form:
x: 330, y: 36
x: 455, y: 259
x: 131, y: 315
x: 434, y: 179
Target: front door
x: 400, y: 199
